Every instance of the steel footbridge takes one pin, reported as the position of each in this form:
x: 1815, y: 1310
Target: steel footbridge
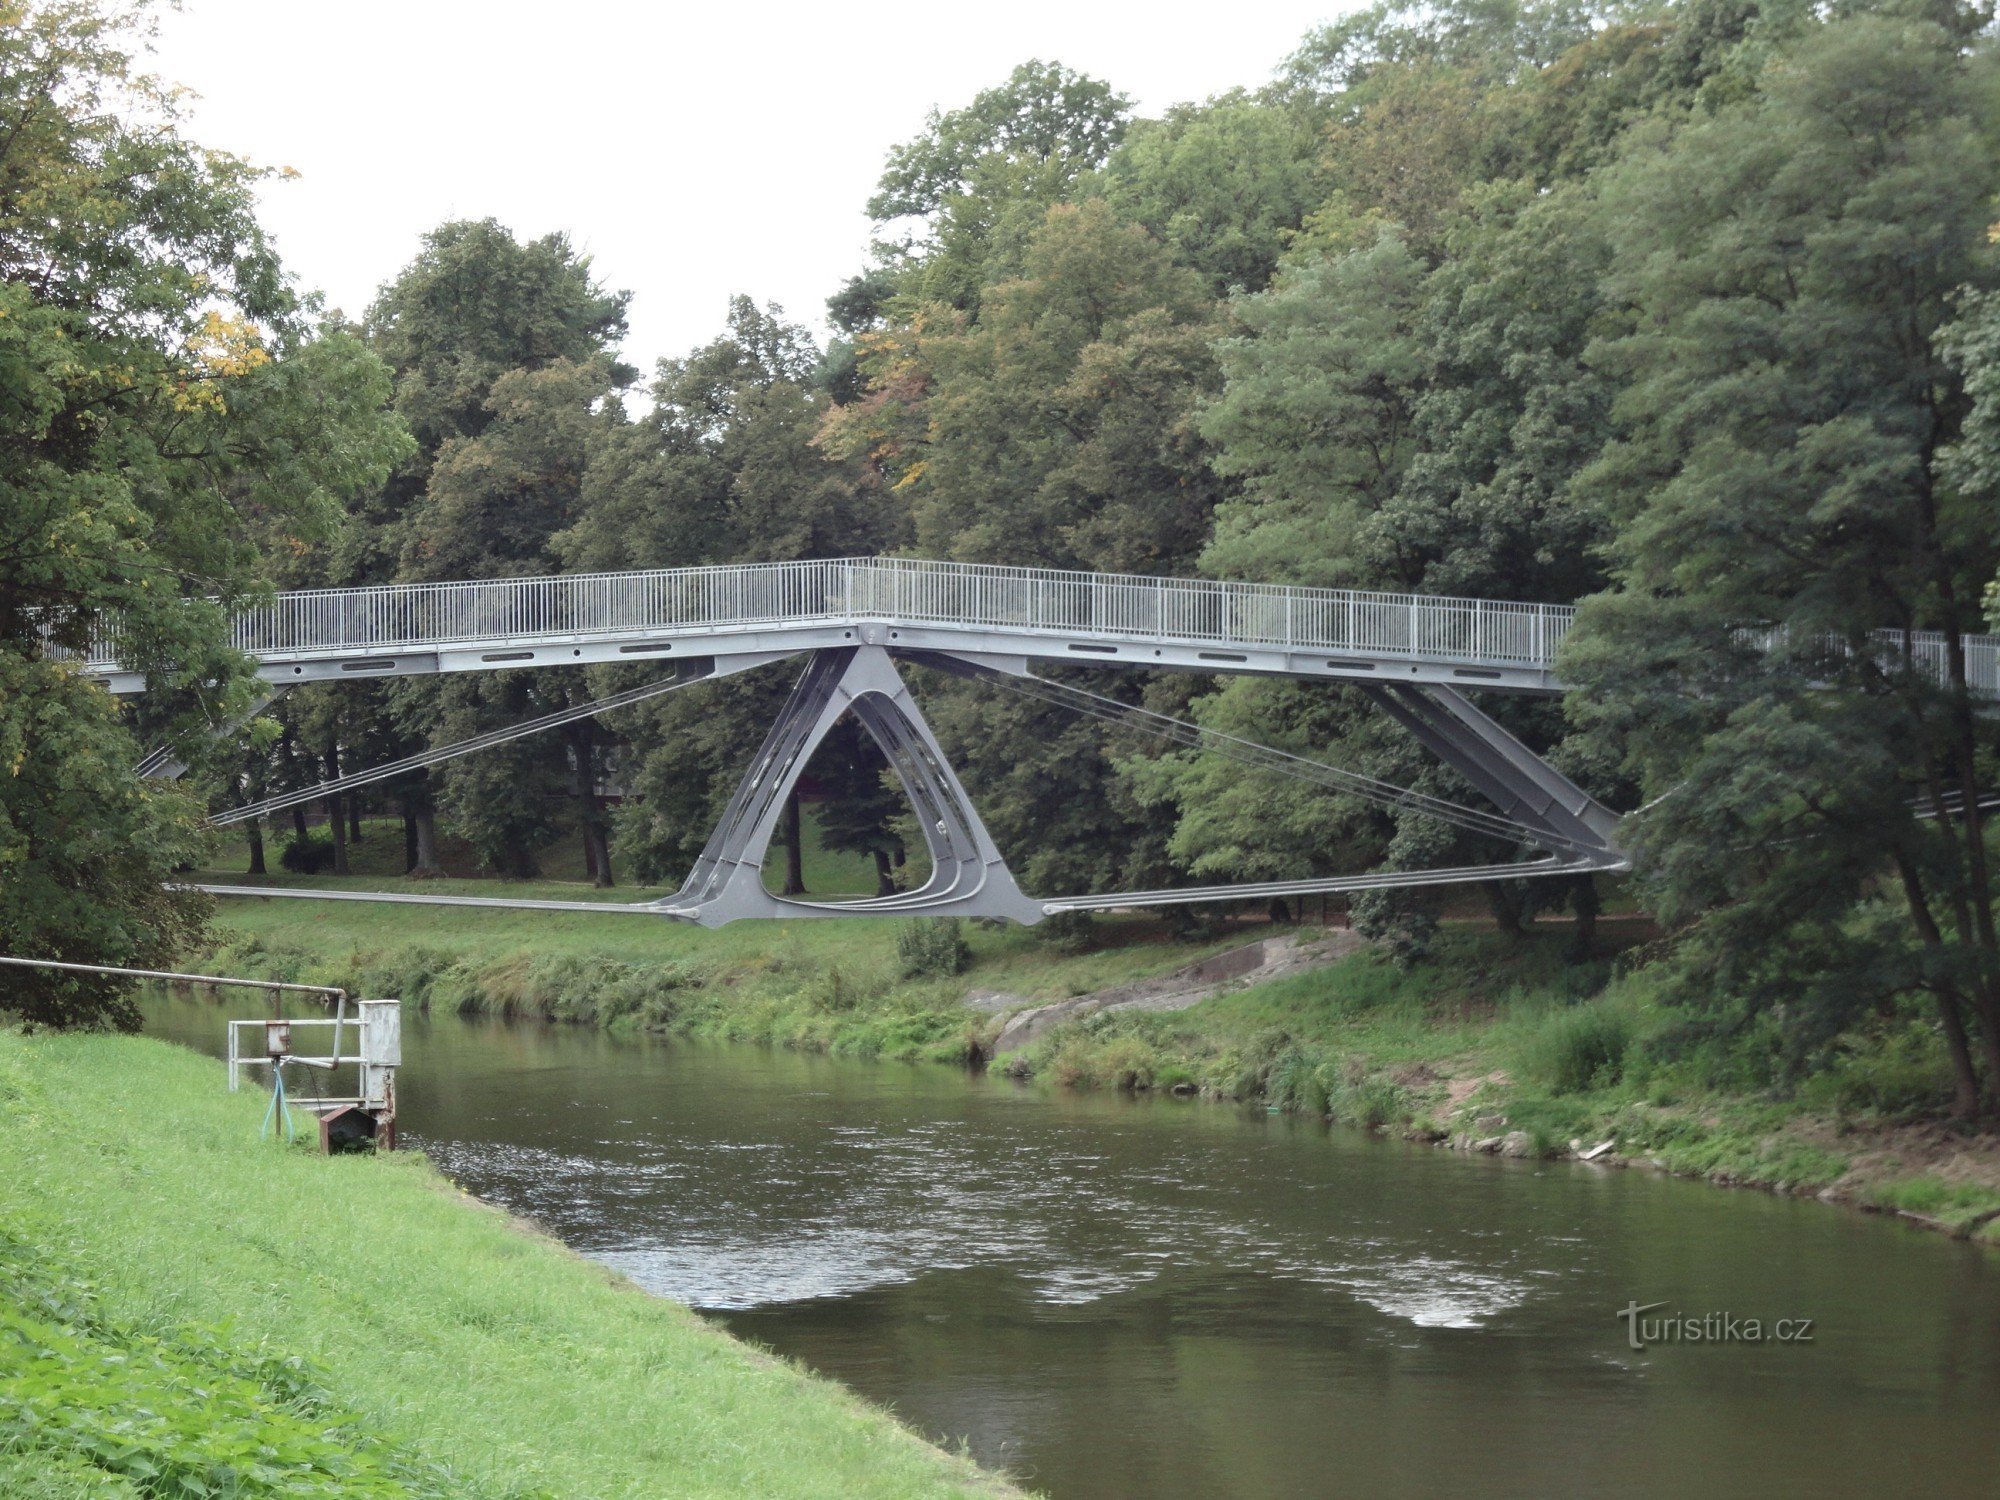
x: 854, y: 619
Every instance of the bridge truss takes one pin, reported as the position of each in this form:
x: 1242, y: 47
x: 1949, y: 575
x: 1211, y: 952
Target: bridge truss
x: 854, y: 619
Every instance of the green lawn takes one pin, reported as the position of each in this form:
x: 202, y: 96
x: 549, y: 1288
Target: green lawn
x: 379, y: 856
x: 138, y: 1208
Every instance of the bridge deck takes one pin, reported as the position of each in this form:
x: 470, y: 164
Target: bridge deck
x: 910, y: 605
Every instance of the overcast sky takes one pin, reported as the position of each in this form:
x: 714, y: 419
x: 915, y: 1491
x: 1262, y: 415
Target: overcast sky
x: 694, y: 151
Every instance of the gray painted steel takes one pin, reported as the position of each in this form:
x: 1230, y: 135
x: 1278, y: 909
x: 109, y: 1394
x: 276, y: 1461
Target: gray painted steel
x: 904, y: 605
x: 854, y: 616
x: 968, y: 877
x: 909, y: 605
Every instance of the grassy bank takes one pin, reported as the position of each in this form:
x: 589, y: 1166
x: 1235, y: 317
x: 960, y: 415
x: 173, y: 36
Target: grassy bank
x: 1503, y: 1045
x: 1494, y: 1043
x: 834, y: 985
x: 187, y: 1311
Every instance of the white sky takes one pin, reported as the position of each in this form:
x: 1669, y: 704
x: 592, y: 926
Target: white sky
x: 693, y: 151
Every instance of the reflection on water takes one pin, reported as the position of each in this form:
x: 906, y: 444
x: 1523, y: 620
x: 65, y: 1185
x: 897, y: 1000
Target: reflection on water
x: 1117, y: 1297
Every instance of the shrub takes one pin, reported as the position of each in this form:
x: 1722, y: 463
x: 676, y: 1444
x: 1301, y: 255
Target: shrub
x: 932, y: 948
x: 308, y: 854
x: 1066, y: 931
x: 1901, y: 1072
x: 1295, y: 1082
x: 1576, y: 1049
x: 1372, y: 1103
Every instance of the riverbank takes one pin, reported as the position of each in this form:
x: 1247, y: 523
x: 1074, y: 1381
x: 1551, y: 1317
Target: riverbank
x: 1494, y: 1043
x: 1504, y: 1045
x: 180, y: 1296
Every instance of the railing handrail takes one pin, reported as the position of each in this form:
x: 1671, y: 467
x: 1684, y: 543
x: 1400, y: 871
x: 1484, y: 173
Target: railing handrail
x: 1205, y: 611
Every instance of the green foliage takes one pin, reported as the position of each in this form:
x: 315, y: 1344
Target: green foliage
x: 1224, y: 184
x: 1315, y: 416
x: 1045, y: 118
x: 186, y: 1413
x: 1574, y: 1049
x: 308, y: 855
x: 169, y: 410
x: 932, y: 948
x: 1790, y: 261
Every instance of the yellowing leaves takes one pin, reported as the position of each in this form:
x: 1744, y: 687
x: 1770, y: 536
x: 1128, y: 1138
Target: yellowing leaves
x: 224, y: 347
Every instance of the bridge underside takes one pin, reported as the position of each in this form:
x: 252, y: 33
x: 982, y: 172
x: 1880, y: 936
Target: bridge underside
x: 1533, y: 804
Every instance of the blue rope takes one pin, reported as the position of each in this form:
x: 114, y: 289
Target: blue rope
x: 279, y: 1110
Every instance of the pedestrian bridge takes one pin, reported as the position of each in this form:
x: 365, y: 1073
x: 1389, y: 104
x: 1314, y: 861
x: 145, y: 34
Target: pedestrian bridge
x: 853, y: 618
x: 905, y: 605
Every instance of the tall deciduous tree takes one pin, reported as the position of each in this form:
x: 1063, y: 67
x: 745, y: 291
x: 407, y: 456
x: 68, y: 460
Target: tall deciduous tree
x: 167, y: 409
x: 503, y: 363
x: 1788, y: 263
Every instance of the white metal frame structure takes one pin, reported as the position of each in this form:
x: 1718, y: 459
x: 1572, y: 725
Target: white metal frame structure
x: 855, y: 616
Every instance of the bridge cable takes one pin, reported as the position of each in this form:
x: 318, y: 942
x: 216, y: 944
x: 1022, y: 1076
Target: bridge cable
x: 487, y: 741
x: 1279, y: 762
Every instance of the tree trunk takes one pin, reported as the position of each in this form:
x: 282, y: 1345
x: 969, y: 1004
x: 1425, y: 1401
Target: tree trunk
x: 885, y: 877
x: 353, y: 819
x: 336, y: 813
x: 427, y: 844
x: 1584, y: 901
x: 409, y: 838
x: 1503, y: 899
x: 255, y: 833
x: 299, y: 821
x: 590, y: 807
x: 336, y: 817
x: 1965, y: 1082
x: 795, y: 874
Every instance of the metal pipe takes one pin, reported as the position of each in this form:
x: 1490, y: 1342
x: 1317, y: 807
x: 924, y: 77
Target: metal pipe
x: 248, y: 984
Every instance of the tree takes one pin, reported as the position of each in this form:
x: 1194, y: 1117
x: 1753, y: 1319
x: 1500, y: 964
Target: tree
x: 980, y: 178
x: 1223, y: 184
x: 163, y: 416
x: 501, y: 352
x: 1035, y: 134
x: 1322, y: 384
x: 1054, y: 427
x: 1789, y: 263
x: 726, y: 468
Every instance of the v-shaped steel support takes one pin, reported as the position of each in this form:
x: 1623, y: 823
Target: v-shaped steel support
x: 968, y: 877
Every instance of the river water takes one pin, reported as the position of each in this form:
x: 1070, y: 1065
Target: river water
x: 1116, y: 1297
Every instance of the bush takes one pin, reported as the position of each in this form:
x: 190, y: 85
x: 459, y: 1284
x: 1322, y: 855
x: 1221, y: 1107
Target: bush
x: 1066, y: 931
x: 308, y: 855
x: 1372, y: 1103
x: 932, y: 948
x: 1576, y: 1049
x: 1902, y: 1073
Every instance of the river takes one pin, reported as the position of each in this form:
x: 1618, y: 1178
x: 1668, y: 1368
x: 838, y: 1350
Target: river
x: 1109, y: 1296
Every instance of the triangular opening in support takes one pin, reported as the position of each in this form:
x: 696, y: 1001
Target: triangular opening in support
x: 859, y: 834
x: 967, y: 876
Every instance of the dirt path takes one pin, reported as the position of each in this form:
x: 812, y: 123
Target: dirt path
x: 1254, y: 963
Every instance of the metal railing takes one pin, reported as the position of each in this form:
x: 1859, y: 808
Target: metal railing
x: 740, y: 597
x: 405, y: 616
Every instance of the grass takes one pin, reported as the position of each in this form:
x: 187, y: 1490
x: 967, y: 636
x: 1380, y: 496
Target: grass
x: 831, y: 984
x: 1494, y: 1037
x: 378, y: 858
x: 182, y: 1299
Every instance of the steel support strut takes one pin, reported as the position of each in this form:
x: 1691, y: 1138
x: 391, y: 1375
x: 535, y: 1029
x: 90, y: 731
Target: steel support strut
x: 968, y: 876
x: 1510, y: 775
